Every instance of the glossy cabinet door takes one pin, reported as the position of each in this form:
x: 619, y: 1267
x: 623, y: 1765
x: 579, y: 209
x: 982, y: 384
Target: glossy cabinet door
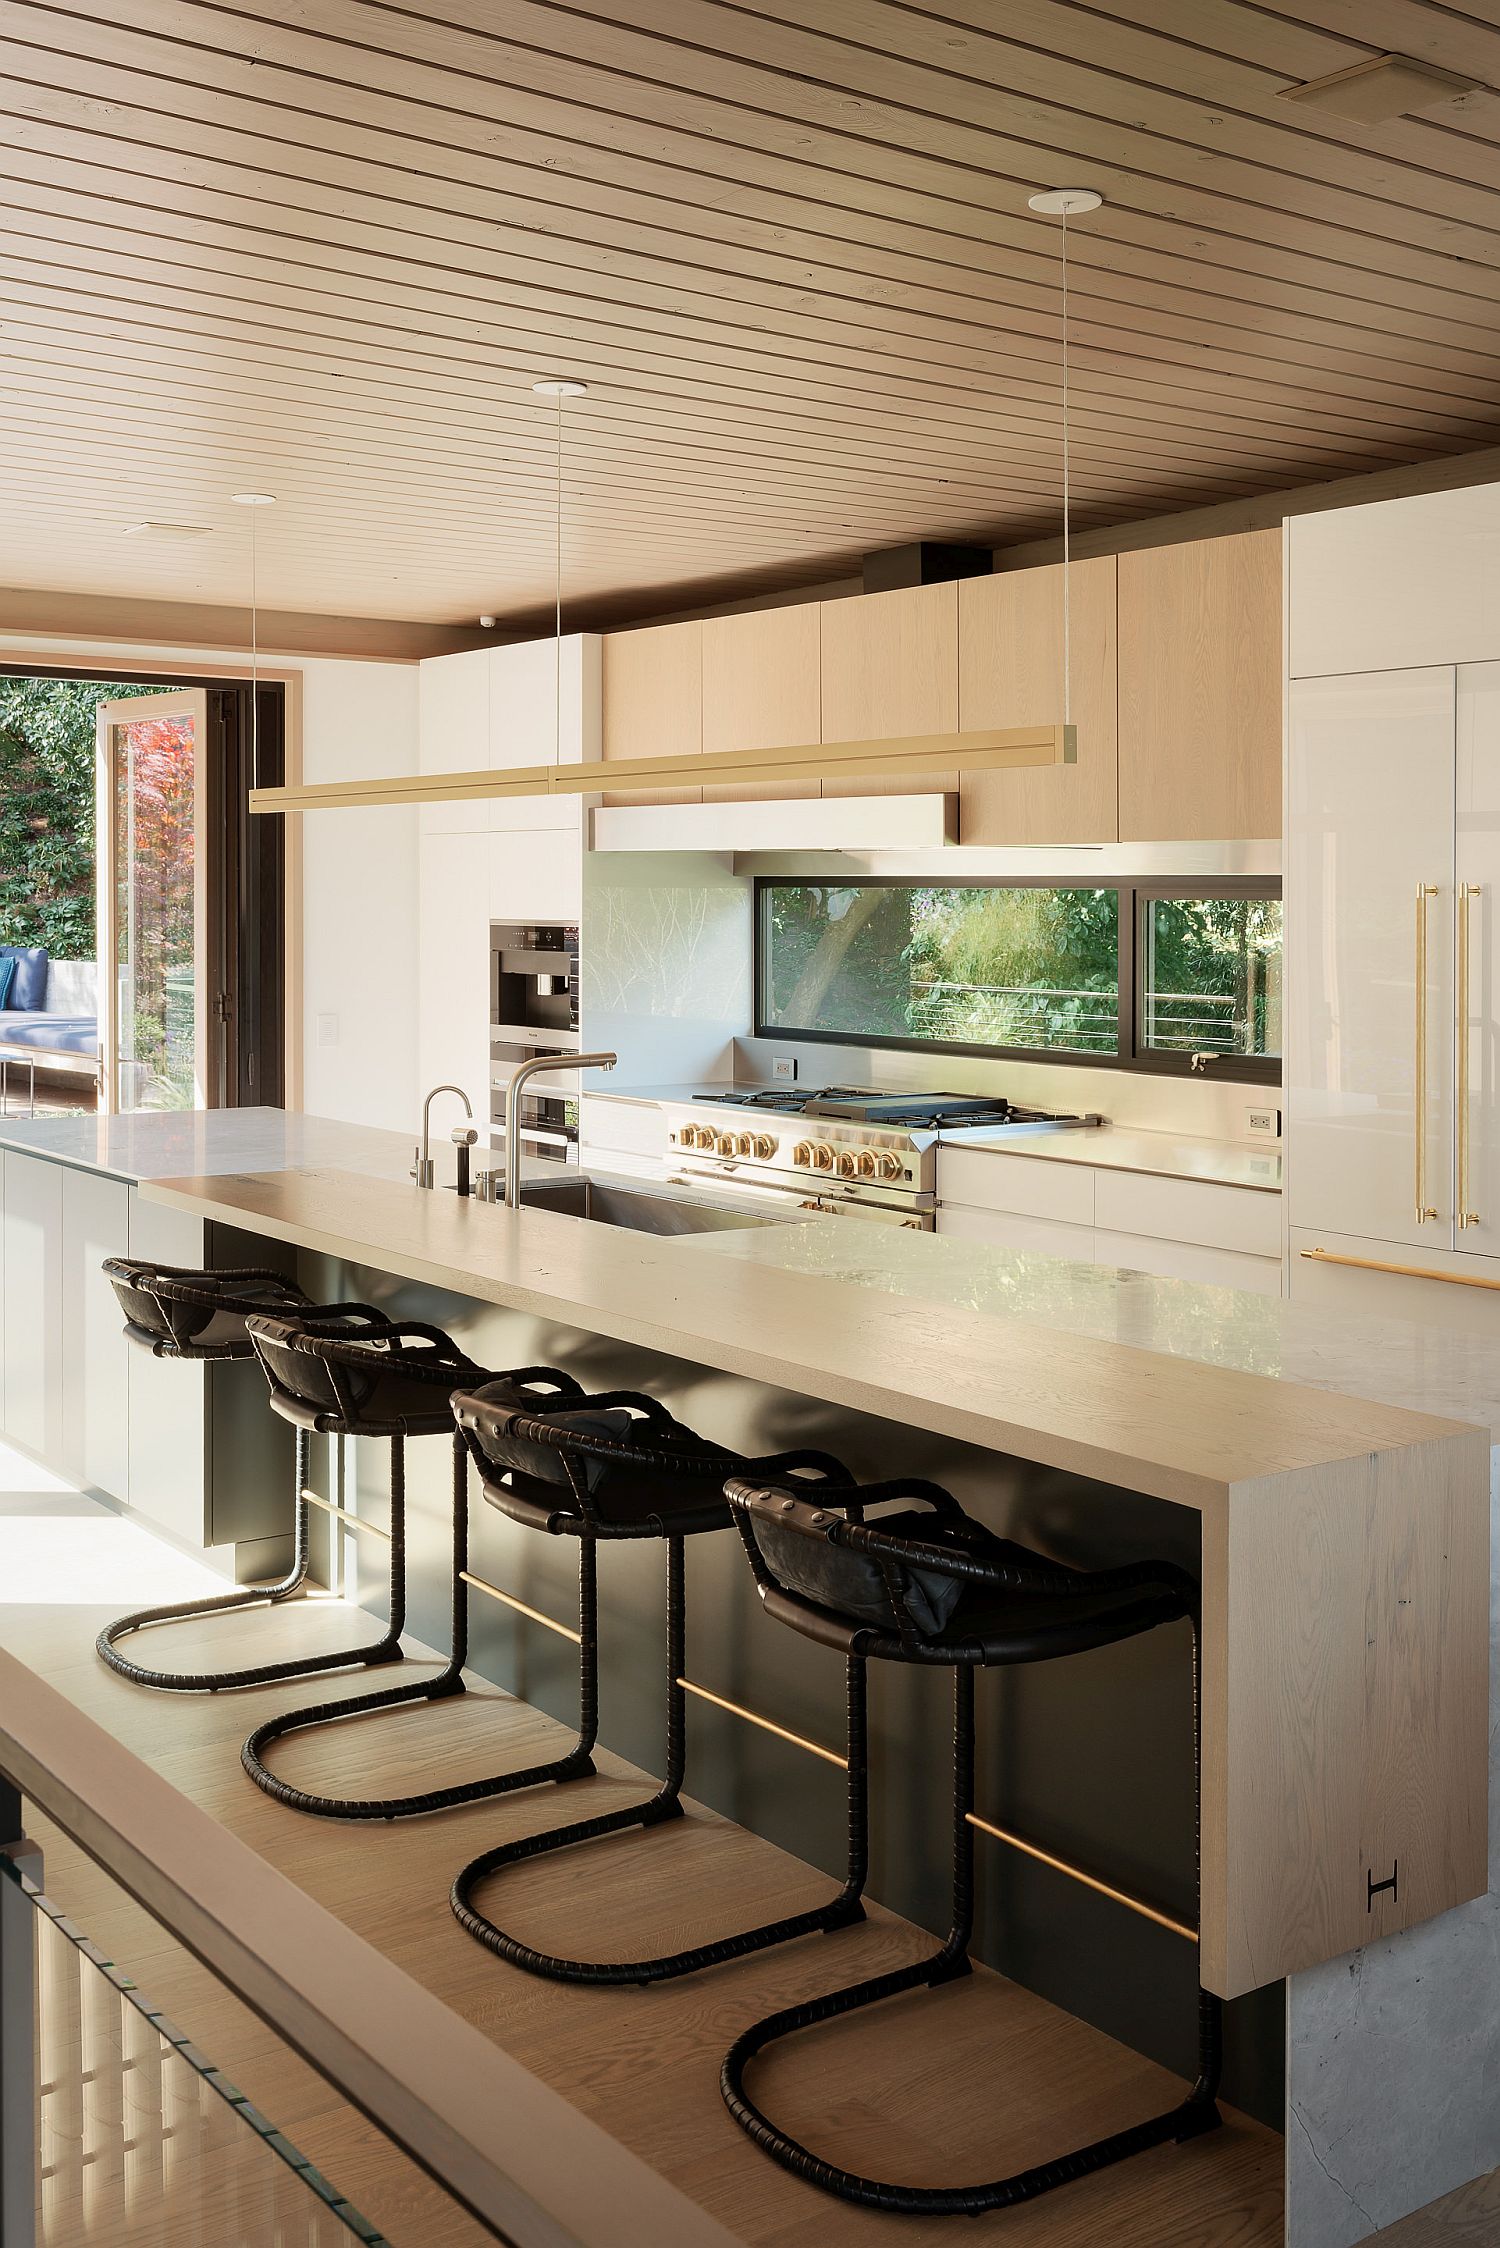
x: 168, y: 1397
x: 1370, y: 825
x: 1477, y: 962
x: 453, y: 733
x: 35, y: 1411
x: 96, y: 1355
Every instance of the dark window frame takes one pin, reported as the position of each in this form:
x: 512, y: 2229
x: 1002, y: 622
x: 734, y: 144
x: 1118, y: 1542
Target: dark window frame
x: 1134, y: 897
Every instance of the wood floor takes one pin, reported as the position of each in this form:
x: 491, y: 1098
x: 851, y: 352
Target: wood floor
x: 970, y: 2082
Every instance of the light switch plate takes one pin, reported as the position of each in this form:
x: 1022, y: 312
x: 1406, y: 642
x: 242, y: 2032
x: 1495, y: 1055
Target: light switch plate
x: 328, y: 1030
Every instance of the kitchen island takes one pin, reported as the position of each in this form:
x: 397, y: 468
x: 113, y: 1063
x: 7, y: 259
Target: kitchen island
x: 1323, y: 1478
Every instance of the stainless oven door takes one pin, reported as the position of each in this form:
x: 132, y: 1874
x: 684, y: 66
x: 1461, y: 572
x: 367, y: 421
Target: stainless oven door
x: 760, y: 1193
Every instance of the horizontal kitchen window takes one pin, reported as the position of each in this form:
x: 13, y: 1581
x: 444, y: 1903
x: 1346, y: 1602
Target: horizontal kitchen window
x: 1166, y: 976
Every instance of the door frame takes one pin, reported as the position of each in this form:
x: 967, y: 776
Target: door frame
x: 132, y: 669
x: 109, y: 718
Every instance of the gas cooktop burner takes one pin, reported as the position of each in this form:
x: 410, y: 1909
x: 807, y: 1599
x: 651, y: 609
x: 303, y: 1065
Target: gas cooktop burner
x: 863, y: 1104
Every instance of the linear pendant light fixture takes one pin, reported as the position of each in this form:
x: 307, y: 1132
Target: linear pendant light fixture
x: 1066, y: 203
x: 989, y: 750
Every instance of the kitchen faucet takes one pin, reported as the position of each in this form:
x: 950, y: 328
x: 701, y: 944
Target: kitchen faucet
x: 421, y: 1169
x: 534, y: 1068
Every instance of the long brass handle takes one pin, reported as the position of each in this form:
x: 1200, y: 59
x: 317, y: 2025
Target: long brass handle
x: 1467, y: 891
x: 1404, y: 1271
x: 1424, y: 1209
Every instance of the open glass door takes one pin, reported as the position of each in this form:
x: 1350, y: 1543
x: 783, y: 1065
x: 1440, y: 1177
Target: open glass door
x: 156, y: 1025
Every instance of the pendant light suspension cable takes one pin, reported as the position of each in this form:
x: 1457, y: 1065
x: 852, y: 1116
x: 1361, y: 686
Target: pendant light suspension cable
x: 254, y: 501
x: 558, y: 387
x: 1064, y: 203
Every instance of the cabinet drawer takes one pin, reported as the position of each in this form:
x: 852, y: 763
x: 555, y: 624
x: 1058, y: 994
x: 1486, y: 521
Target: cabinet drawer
x: 1217, y: 1217
x: 1189, y: 1260
x: 1443, y: 1300
x: 1033, y: 1187
x: 1045, y: 1237
x: 633, y: 1127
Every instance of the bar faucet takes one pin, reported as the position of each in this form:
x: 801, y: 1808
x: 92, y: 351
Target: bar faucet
x: 421, y: 1169
x: 534, y: 1068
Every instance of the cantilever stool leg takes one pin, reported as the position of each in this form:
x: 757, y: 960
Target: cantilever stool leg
x: 607, y: 1468
x: 939, y: 1589
x: 392, y: 1387
x: 200, y: 1317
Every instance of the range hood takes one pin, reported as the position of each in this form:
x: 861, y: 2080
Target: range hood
x: 813, y: 823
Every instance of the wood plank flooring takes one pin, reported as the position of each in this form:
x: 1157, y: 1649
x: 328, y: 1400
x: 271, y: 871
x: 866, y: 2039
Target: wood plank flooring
x: 970, y: 2082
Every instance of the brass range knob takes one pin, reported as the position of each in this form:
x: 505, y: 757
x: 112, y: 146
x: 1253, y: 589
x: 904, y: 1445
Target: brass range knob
x: 802, y: 1155
x: 762, y: 1144
x: 741, y: 1143
x: 820, y: 1154
x: 724, y: 1143
x: 888, y: 1166
x: 848, y: 1163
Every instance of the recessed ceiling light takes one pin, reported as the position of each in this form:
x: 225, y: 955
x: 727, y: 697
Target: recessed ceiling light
x: 561, y: 386
x: 1386, y: 86
x: 167, y: 530
x: 253, y: 499
x: 1064, y: 202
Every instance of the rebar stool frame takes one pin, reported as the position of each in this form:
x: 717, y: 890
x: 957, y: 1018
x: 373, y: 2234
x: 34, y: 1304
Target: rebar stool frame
x: 371, y: 1375
x: 619, y: 1466
x: 957, y: 1596
x: 176, y: 1311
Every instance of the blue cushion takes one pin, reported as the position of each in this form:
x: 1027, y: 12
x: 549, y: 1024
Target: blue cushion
x: 28, y: 991
x: 50, y: 1034
x: 7, y: 977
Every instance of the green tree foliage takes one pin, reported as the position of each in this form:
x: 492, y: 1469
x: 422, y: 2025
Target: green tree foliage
x: 47, y: 811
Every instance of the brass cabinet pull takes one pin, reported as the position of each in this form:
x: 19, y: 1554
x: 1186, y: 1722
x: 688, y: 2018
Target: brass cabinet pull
x: 1424, y: 1209
x: 1466, y: 892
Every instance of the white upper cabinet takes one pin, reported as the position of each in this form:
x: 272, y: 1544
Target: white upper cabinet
x: 1370, y: 927
x: 489, y: 708
x: 1402, y: 583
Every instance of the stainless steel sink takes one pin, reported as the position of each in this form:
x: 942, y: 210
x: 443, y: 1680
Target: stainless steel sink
x: 639, y: 1209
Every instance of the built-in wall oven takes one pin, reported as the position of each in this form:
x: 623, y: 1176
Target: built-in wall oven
x: 534, y: 1010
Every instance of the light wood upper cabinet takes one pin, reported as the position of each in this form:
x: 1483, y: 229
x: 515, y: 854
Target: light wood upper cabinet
x: 890, y: 667
x: 652, y: 698
x: 762, y: 690
x: 1010, y: 673
x: 1200, y: 690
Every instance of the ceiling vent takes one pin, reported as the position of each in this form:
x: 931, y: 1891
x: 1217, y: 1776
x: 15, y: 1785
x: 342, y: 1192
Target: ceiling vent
x: 1385, y: 86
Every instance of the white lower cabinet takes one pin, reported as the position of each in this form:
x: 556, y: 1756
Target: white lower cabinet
x: 168, y: 1397
x: 95, y: 1372
x: 1183, y: 1229
x: 1388, y: 1280
x: 1008, y: 1229
x: 35, y: 1413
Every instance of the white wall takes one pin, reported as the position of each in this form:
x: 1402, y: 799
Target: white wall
x: 359, y: 867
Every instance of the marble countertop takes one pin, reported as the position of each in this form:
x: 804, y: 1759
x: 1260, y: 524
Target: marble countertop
x: 1107, y: 1146
x: 206, y: 1143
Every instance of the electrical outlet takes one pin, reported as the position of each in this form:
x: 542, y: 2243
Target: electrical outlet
x: 1263, y: 1123
x: 784, y: 1067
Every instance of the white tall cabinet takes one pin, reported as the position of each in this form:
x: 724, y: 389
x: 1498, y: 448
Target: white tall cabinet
x: 496, y: 859
x: 1393, y: 909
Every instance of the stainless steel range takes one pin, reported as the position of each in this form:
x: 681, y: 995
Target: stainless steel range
x: 843, y: 1150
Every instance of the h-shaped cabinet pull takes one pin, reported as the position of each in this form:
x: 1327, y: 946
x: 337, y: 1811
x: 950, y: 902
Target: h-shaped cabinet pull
x: 1424, y: 1209
x: 1467, y: 892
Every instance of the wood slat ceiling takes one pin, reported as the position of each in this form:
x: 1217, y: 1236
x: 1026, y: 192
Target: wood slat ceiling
x: 324, y: 247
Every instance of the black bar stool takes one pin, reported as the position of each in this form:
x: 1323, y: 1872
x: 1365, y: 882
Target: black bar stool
x: 176, y: 1312
x: 613, y: 1467
x: 938, y: 1588
x: 363, y: 1374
